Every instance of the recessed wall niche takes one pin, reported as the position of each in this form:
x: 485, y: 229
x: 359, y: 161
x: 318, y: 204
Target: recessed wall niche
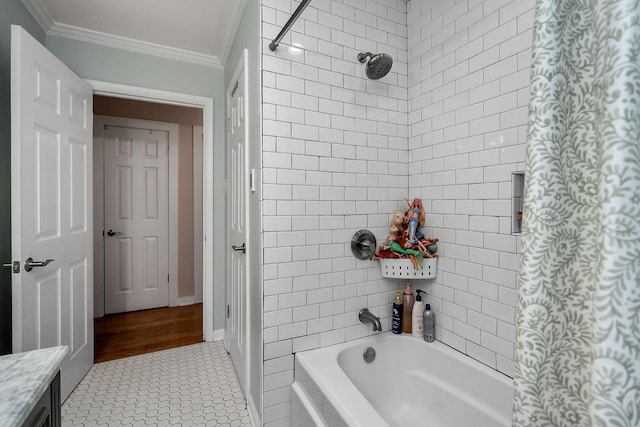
x: 517, y: 186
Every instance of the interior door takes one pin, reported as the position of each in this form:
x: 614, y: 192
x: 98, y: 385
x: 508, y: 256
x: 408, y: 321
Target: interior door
x: 51, y: 207
x: 236, y: 323
x: 136, y: 219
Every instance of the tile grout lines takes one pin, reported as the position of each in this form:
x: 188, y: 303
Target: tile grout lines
x: 194, y: 385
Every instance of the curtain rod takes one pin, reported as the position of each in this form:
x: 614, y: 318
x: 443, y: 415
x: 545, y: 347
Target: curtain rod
x: 275, y: 42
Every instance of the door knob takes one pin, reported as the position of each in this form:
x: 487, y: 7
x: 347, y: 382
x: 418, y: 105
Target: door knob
x: 30, y: 263
x: 113, y: 233
x: 242, y: 248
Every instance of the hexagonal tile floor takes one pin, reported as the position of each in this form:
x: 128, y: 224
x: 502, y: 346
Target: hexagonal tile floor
x: 194, y: 385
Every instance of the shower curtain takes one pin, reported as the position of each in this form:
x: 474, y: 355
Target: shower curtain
x: 577, y: 360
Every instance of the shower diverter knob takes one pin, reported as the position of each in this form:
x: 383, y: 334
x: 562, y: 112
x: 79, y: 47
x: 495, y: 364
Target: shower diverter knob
x: 363, y: 244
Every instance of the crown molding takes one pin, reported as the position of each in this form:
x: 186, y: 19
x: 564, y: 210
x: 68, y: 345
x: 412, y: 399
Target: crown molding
x: 118, y: 42
x: 39, y: 13
x: 52, y: 28
x: 235, y: 15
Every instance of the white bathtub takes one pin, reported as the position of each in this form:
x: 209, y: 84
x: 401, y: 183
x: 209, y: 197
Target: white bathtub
x: 410, y: 383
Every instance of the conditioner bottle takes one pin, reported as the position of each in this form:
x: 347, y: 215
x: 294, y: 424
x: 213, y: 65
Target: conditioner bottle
x: 417, y: 315
x: 396, y: 315
x: 407, y: 306
x: 429, y: 324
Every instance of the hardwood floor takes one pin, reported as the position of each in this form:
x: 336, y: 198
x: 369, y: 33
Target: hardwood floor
x: 139, y: 332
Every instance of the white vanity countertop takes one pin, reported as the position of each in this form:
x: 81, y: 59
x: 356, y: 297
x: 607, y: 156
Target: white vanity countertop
x: 23, y: 379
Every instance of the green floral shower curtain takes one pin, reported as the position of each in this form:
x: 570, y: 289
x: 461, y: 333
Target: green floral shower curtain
x: 577, y: 359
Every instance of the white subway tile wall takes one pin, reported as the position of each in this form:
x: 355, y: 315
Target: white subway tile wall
x: 335, y: 156
x: 447, y: 124
x: 468, y: 82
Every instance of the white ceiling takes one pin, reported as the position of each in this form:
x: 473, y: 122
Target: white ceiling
x: 199, y: 31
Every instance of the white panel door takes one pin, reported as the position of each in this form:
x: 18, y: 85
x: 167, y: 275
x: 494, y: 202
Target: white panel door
x: 136, y: 219
x: 51, y: 206
x: 236, y: 322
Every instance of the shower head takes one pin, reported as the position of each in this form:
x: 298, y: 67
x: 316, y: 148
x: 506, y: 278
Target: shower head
x: 377, y: 65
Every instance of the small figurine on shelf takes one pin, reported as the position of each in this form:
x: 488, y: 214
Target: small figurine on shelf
x: 414, y: 255
x: 520, y: 220
x: 414, y: 217
x: 405, y: 240
x: 421, y: 246
x: 432, y: 247
x: 395, y: 231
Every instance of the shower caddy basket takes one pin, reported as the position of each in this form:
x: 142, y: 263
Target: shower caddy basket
x: 402, y: 268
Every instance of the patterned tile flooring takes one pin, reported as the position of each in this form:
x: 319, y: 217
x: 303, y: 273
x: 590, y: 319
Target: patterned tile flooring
x: 186, y: 386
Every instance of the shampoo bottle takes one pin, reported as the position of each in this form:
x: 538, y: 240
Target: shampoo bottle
x: 396, y: 315
x: 417, y: 315
x: 429, y: 324
x: 407, y: 306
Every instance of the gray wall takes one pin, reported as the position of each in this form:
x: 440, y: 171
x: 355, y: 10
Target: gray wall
x: 91, y: 61
x: 248, y: 37
x: 113, y: 65
x: 13, y: 12
x: 103, y: 63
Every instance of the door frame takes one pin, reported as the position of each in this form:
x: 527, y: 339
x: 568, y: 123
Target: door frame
x: 99, y: 122
x: 208, y: 185
x: 197, y: 210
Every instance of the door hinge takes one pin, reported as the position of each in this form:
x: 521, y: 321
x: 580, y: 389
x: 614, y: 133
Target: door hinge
x: 168, y: 278
x: 233, y: 91
x: 228, y: 311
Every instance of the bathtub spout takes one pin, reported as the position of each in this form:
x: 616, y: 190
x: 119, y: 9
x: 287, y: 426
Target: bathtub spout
x: 366, y: 316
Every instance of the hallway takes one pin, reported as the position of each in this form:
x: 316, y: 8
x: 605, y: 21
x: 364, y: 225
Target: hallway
x: 146, y: 331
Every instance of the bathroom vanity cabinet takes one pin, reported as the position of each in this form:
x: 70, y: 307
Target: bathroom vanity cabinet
x: 46, y: 412
x: 30, y: 388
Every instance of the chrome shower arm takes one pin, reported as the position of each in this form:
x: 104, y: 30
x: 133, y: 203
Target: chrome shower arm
x: 363, y: 56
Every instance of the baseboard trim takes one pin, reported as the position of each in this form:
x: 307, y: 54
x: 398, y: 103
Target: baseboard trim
x: 218, y: 335
x: 253, y: 412
x: 180, y: 301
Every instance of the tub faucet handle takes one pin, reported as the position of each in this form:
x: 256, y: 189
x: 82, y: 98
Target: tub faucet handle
x: 365, y: 316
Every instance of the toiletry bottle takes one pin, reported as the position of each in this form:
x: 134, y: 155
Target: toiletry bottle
x: 429, y: 324
x: 417, y: 315
x: 396, y: 315
x: 407, y: 306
